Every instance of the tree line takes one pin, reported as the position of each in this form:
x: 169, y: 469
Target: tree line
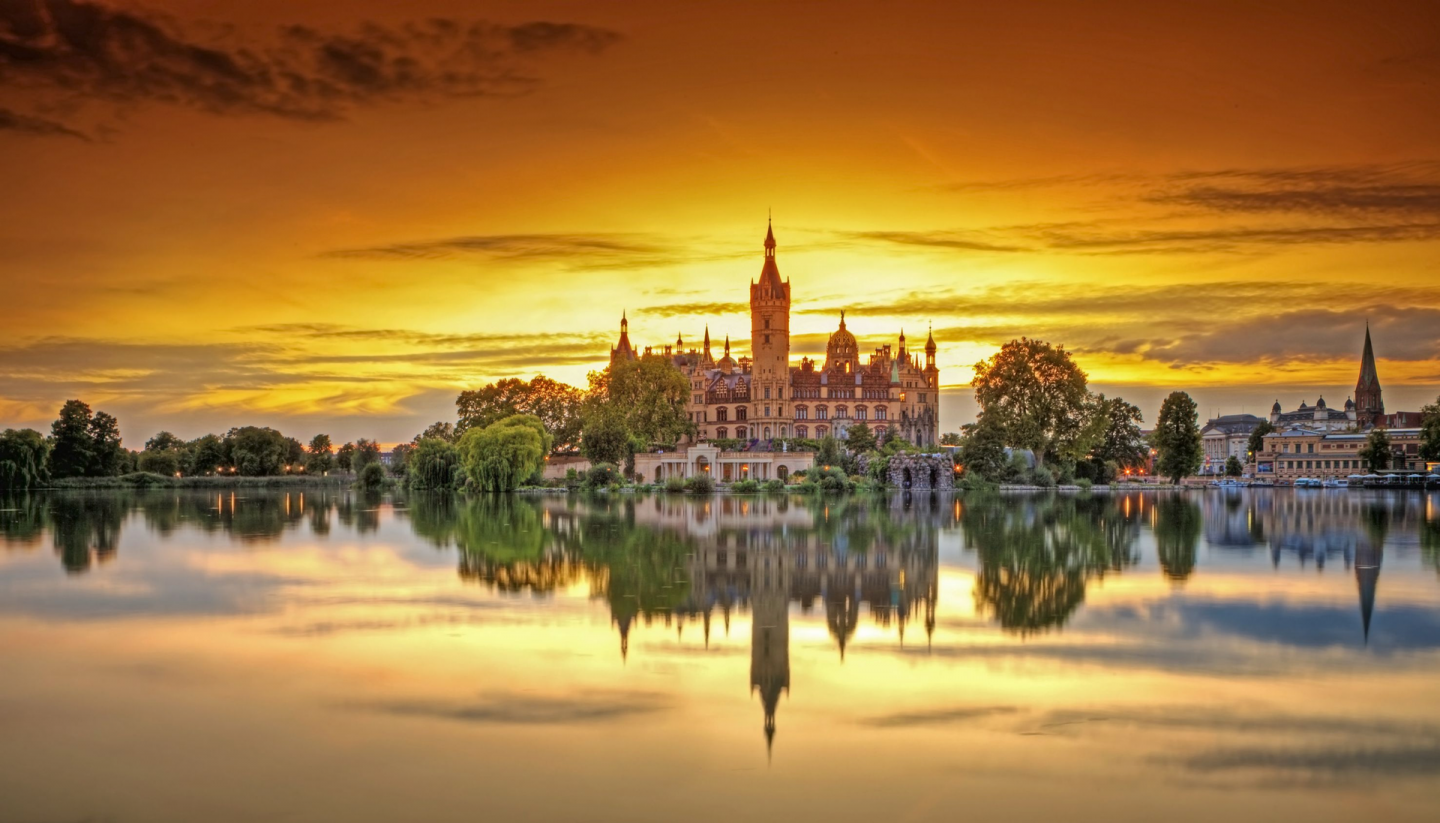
x: 1034, y: 397
x: 86, y: 444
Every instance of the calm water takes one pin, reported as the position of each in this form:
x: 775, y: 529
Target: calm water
x: 272, y: 656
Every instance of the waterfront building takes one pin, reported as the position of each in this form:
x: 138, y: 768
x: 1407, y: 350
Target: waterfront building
x: 1225, y: 437
x: 1363, y: 411
x: 763, y: 397
x: 1296, y: 453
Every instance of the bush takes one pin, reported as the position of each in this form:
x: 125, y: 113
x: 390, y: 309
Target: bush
x: 746, y: 486
x: 1042, y: 476
x: 774, y: 485
x: 807, y: 487
x: 1084, y: 483
x: 372, y: 476
x: 675, y: 485
x: 701, y: 483
x: 602, y: 476
x: 165, y: 461
x: 833, y: 479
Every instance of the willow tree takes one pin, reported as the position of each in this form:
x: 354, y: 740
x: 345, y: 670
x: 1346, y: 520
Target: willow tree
x: 499, y: 457
x: 22, y: 459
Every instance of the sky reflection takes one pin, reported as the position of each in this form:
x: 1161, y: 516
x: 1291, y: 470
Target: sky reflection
x: 454, y: 649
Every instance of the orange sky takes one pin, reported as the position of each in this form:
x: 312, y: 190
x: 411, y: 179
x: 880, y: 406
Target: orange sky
x: 334, y: 216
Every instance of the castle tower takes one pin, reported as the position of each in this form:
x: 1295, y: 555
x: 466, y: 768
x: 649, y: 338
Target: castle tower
x: 770, y: 347
x: 1369, y: 405
x: 770, y: 635
x: 622, y: 350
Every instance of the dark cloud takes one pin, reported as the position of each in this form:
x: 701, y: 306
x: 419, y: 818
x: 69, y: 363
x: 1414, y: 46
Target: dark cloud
x: 593, y: 251
x: 529, y: 709
x: 950, y: 240
x: 1346, y: 761
x: 81, y: 51
x: 35, y: 126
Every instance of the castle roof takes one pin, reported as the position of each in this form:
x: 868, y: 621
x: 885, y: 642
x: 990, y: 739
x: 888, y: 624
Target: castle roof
x: 1369, y: 378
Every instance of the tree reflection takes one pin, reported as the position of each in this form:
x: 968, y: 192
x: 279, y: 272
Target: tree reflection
x: 1037, y: 554
x: 1177, y: 531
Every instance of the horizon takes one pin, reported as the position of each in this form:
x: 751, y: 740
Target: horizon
x: 1218, y: 204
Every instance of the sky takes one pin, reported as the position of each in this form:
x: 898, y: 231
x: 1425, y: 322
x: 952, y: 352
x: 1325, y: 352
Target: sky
x: 334, y: 216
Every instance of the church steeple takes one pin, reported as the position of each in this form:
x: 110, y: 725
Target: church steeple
x: 1369, y: 401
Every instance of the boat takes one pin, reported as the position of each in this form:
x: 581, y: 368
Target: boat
x: 1335, y: 483
x: 1307, y: 483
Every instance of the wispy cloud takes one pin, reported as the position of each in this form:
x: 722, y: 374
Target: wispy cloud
x: 81, y: 51
x: 532, y: 709
x: 17, y: 123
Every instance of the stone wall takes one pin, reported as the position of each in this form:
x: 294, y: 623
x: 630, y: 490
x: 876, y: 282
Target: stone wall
x: 920, y: 472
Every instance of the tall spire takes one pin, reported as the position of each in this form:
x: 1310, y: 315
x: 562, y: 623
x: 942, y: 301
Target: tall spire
x: 770, y: 285
x: 1368, y: 376
x: 1369, y: 402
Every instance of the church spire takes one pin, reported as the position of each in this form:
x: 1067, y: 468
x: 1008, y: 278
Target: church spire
x: 1369, y: 402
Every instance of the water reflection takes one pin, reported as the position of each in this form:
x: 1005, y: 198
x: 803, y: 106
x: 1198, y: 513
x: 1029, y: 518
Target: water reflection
x: 915, y: 599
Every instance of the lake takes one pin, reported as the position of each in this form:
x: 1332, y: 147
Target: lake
x: 1245, y: 655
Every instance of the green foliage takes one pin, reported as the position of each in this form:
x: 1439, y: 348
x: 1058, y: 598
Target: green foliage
x: 634, y: 405
x: 499, y: 457
x: 1042, y: 476
x: 674, y: 484
x: 439, y: 430
x: 400, y: 459
x: 23, y: 454
x: 828, y: 451
x: 831, y: 479
x: 774, y: 485
x: 1119, y: 440
x: 557, y: 405
x: 746, y: 486
x: 165, y: 462
x: 1035, y: 395
x: 951, y: 439
x: 1257, y: 437
x: 859, y: 439
x: 107, y: 457
x: 372, y: 476
x: 203, y: 455
x: 164, y: 441
x: 982, y: 450
x: 606, y: 439
x: 1375, y: 454
x: 1233, y: 467
x: 701, y: 483
x: 320, y: 456
x: 365, y: 452
x: 70, y: 453
x: 254, y: 451
x: 1430, y: 432
x: 343, y: 456
x: 433, y: 464
x: 1084, y: 484
x: 1177, y: 438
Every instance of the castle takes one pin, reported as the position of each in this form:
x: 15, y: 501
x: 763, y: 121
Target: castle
x: 1364, y: 411
x: 764, y: 397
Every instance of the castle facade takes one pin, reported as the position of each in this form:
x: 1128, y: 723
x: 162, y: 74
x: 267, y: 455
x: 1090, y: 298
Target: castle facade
x: 764, y: 396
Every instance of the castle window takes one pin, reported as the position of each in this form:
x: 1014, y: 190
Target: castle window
x: 841, y: 412
x: 767, y: 325
x: 822, y: 413
x: 802, y: 431
x: 740, y: 412
x: 821, y: 431
x: 767, y: 392
x: 879, y: 412
x: 722, y: 414
x: 722, y: 433
x: 802, y: 412
x: 859, y: 412
x: 739, y: 432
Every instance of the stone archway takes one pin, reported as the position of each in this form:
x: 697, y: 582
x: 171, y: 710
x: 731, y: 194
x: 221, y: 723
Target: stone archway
x: 907, y: 480
x: 782, y: 473
x: 659, y: 474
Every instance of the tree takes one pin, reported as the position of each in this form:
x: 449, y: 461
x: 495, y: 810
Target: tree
x: 1035, y: 394
x: 23, y: 454
x: 160, y: 461
x: 70, y: 452
x: 1177, y: 438
x: 366, y: 451
x: 400, y: 459
x: 255, y: 451
x: 859, y: 439
x: 982, y: 451
x: 499, y: 457
x: 1430, y: 431
x: 605, y: 438
x: 1375, y: 454
x: 1257, y: 438
x: 557, y: 405
x: 439, y: 430
x: 203, y: 455
x: 164, y: 441
x: 951, y: 439
x: 343, y: 455
x: 107, y: 456
x: 433, y: 464
x: 1120, y: 439
x: 294, y: 454
x: 1233, y: 467
x: 651, y: 393
x: 320, y: 458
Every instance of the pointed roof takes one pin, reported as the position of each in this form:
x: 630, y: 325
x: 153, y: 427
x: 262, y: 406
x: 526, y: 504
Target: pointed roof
x: 930, y: 342
x: 770, y: 273
x: 1369, y: 378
